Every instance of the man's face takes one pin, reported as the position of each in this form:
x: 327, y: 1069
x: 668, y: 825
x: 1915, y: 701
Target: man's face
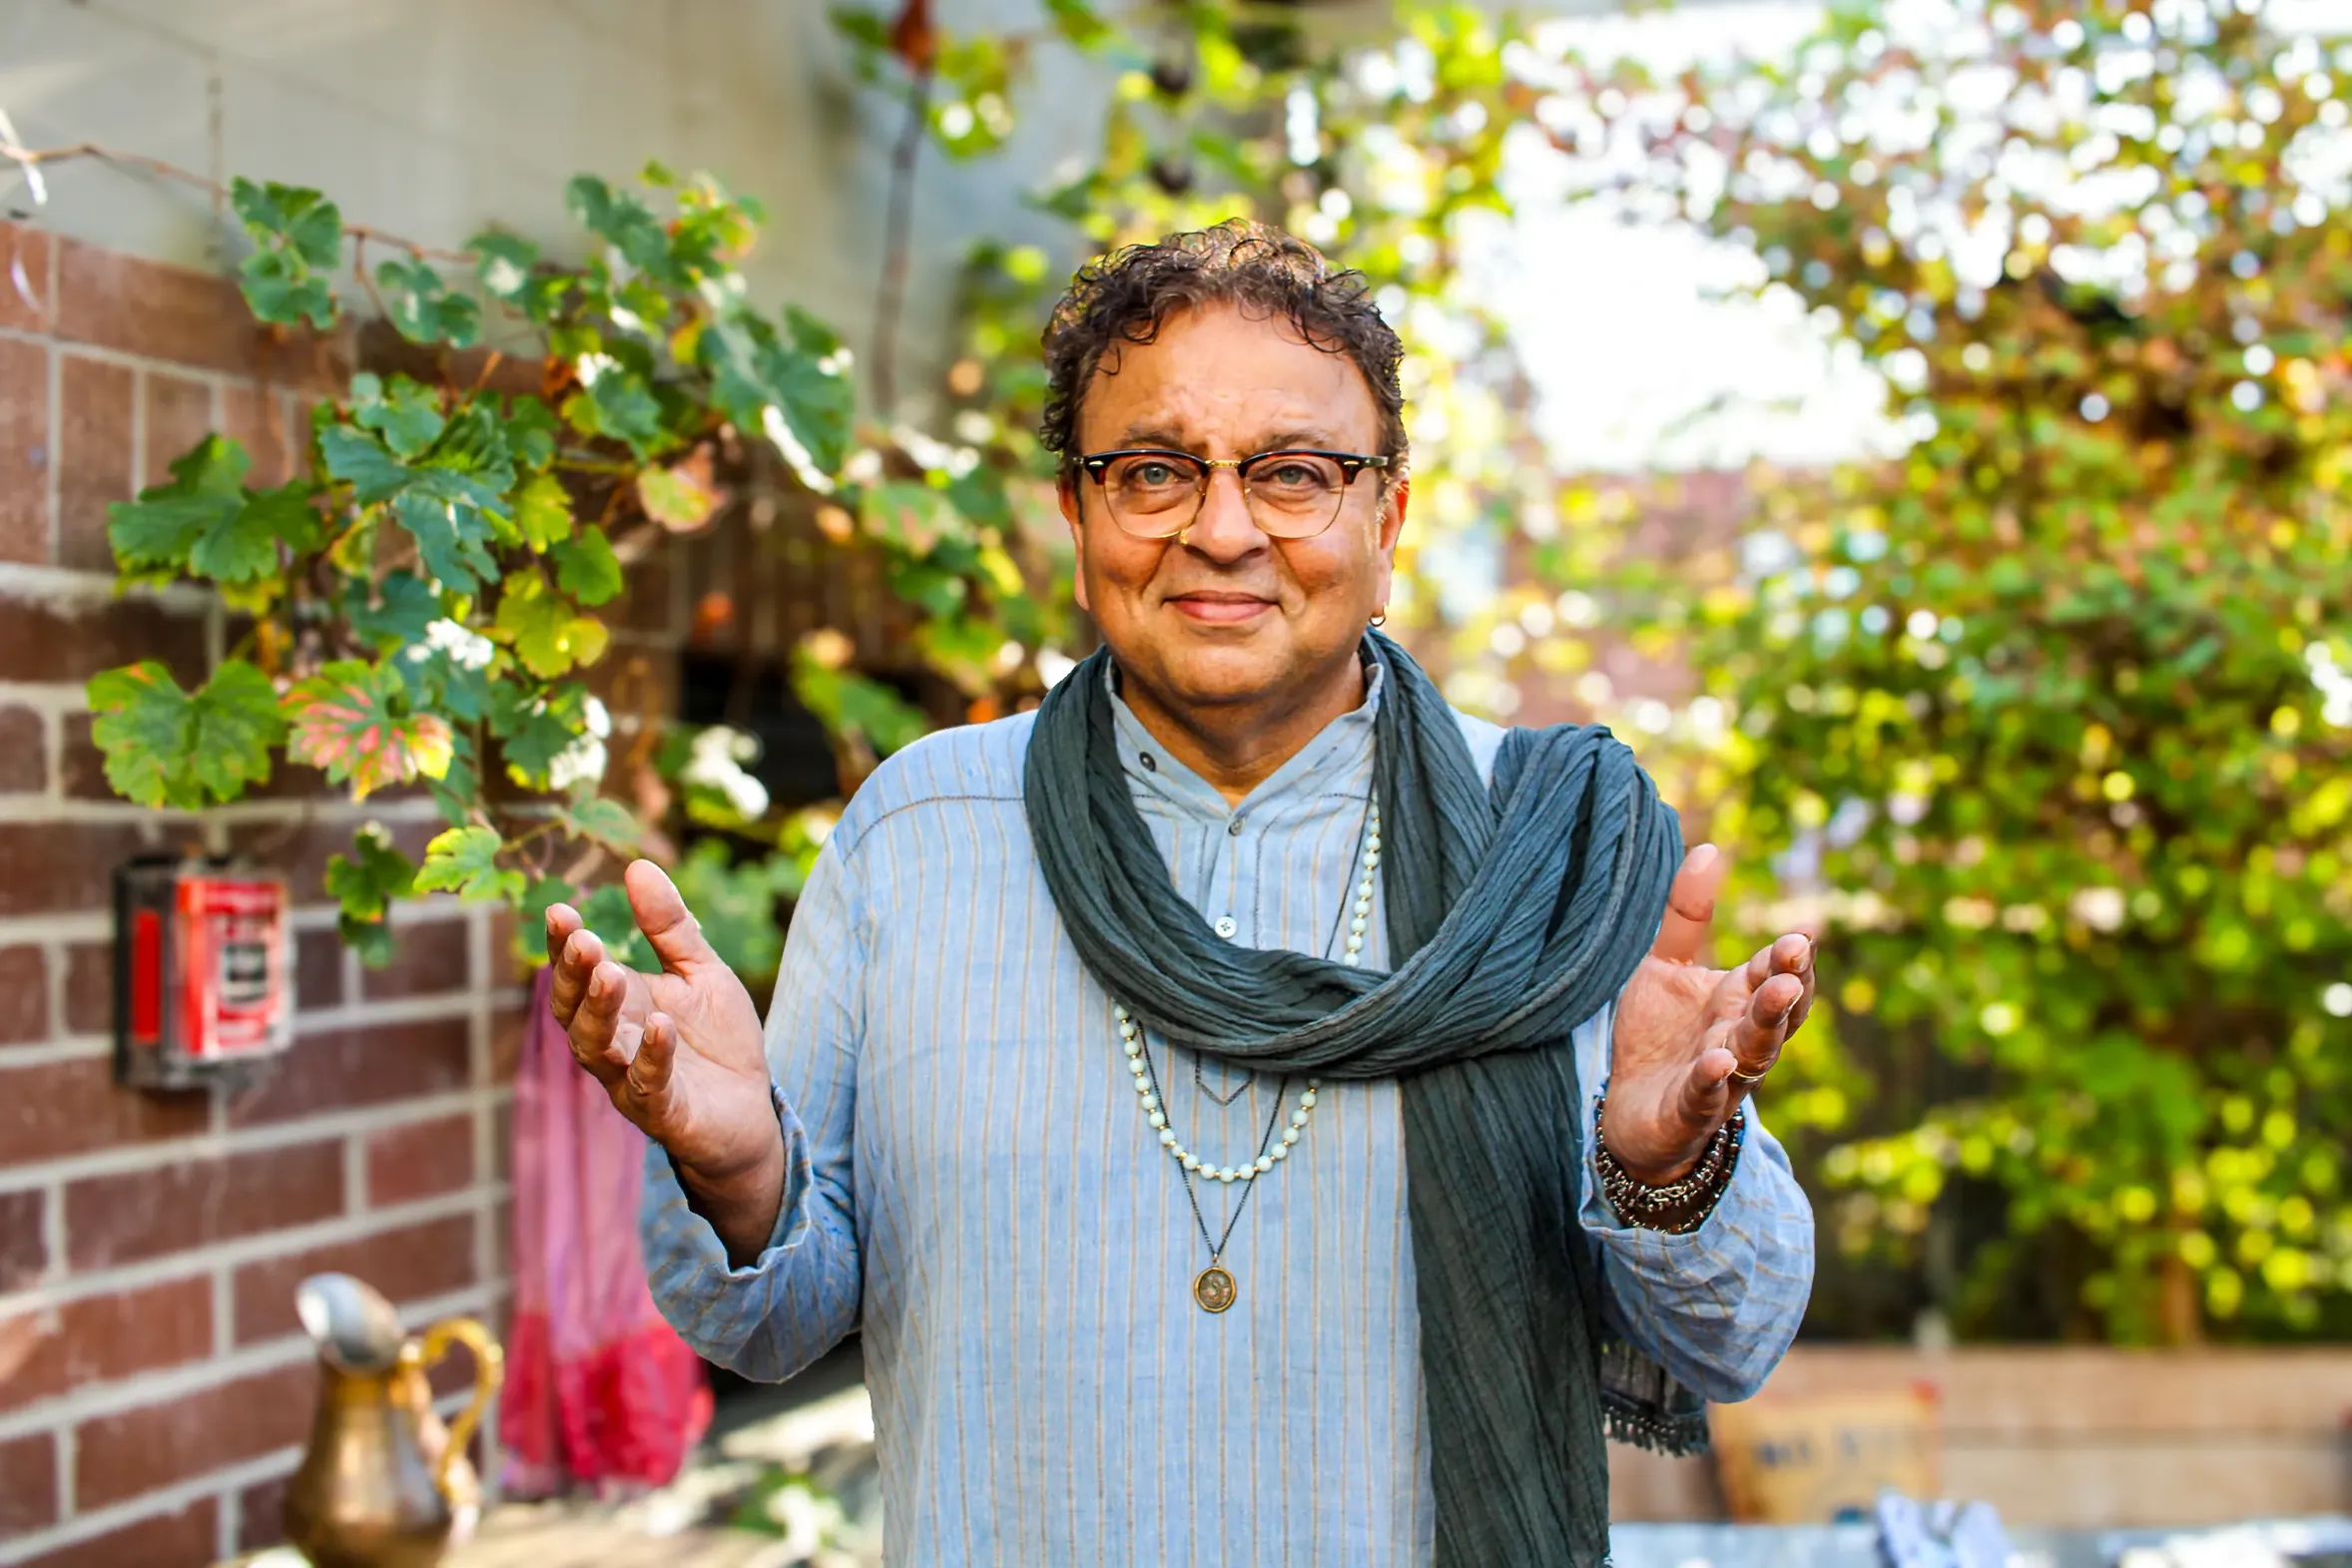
x: 1225, y: 613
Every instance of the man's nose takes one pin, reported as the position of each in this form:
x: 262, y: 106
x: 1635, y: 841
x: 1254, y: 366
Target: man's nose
x: 1224, y: 530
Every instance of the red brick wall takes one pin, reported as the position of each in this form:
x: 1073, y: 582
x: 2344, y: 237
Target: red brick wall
x: 153, y: 1384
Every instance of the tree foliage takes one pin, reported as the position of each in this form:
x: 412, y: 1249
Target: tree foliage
x: 2051, y: 713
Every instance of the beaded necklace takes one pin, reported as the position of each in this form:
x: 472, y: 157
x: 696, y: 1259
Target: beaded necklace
x: 1213, y: 1288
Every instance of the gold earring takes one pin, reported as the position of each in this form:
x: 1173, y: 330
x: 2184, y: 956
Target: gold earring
x: 1380, y: 616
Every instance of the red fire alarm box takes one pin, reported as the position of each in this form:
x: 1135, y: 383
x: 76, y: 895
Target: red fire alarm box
x: 204, y: 985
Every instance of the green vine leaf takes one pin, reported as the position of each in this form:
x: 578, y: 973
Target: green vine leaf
x: 607, y: 821
x: 464, y: 861
x: 300, y: 236
x: 456, y: 792
x: 587, y: 568
x: 545, y: 629
x: 543, y: 512
x: 206, y: 523
x: 681, y: 498
x: 345, y: 722
x: 535, y: 728
x: 366, y: 885
x: 451, y: 501
x: 624, y: 223
x: 530, y: 434
x: 393, y: 614
x: 167, y: 748
x: 421, y: 307
x: 507, y: 267
x: 616, y: 403
x: 407, y: 415
x: 855, y: 705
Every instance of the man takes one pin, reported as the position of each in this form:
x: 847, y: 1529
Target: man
x: 1178, y: 1227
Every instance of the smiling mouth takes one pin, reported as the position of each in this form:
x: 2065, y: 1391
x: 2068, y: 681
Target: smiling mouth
x: 1213, y: 609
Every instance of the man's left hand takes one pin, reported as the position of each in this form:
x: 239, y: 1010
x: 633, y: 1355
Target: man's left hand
x: 1691, y: 1041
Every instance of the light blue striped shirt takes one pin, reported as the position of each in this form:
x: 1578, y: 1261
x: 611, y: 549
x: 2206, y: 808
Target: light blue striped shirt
x: 972, y: 1184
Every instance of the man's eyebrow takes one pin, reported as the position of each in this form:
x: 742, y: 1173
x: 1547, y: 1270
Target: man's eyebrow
x: 1171, y: 439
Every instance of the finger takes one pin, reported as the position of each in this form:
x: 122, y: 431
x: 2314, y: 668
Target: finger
x: 1757, y: 1037
x: 575, y: 961
x: 1691, y: 906
x: 1708, y: 1089
x: 675, y: 935
x: 562, y: 921
x: 596, y: 1026
x: 649, y: 1068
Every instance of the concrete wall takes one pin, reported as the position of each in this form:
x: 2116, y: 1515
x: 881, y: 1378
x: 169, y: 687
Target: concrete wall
x: 430, y: 119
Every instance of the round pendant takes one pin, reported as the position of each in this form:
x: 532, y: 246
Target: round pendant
x: 1214, y: 1288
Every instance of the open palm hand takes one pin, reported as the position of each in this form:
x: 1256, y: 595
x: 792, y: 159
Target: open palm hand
x: 1691, y: 1041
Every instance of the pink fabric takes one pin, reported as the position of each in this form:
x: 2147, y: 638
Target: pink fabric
x: 599, y: 1389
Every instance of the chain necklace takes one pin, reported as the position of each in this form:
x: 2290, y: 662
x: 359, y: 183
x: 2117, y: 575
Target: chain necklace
x: 1214, y: 1287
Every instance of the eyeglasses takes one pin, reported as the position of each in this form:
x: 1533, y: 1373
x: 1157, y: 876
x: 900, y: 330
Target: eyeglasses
x: 1153, y: 493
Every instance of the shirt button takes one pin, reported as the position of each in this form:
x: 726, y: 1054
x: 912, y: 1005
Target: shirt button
x: 1150, y: 764
x: 1225, y: 925
x: 1234, y: 828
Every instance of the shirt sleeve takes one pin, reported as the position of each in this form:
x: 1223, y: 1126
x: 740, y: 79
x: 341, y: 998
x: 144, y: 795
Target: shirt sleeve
x: 799, y: 1299
x: 1716, y: 1308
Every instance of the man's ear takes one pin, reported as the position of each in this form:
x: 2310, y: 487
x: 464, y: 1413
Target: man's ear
x: 1066, y: 493
x: 1391, y: 528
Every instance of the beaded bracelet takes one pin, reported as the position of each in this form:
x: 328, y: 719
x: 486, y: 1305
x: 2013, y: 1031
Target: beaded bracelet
x: 1678, y: 1208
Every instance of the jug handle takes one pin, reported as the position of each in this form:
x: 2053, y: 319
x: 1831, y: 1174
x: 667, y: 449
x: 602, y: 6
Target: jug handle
x: 489, y: 1367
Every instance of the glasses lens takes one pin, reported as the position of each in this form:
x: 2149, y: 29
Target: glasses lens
x: 1295, y: 494
x: 1152, y: 493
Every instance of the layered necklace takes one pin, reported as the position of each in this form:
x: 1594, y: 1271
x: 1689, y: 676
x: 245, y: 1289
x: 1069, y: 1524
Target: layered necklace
x: 1214, y: 1287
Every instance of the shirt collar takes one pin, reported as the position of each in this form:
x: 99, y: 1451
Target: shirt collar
x: 1339, y: 757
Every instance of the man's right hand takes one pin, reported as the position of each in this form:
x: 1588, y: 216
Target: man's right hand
x: 680, y: 1053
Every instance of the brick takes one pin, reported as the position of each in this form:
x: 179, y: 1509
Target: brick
x: 123, y: 1218
x: 100, y: 1339
x: 179, y: 415
x: 70, y: 644
x: 254, y: 418
x: 24, y: 1244
x: 191, y: 317
x: 24, y: 752
x: 116, y: 1457
x: 56, y: 1109
x: 184, y: 1540
x: 90, y: 988
x: 25, y: 447
x: 60, y: 866
x: 260, y: 1514
x: 24, y: 270
x: 24, y: 995
x: 411, y: 1264
x: 419, y: 1160
x: 319, y: 970
x: 348, y: 1068
x: 28, y: 1483
x: 94, y: 457
x: 428, y: 957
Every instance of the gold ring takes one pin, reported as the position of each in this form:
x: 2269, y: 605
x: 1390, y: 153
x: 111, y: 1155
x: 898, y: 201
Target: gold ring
x: 1749, y: 1078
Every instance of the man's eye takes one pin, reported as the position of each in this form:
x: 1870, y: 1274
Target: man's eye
x: 1153, y: 474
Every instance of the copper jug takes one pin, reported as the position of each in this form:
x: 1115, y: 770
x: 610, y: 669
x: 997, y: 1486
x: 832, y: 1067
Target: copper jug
x: 385, y: 1484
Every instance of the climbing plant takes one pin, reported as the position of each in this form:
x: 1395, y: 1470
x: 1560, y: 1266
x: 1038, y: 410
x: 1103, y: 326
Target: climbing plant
x: 418, y: 603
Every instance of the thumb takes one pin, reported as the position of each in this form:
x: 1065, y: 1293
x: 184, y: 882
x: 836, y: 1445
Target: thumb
x: 671, y: 927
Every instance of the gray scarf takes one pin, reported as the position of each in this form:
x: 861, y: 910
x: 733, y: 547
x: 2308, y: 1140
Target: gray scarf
x: 1515, y: 911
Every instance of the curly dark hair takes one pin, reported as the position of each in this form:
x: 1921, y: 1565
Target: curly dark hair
x: 1127, y: 295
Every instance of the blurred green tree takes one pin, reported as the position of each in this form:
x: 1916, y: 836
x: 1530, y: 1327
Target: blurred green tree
x: 2049, y: 720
